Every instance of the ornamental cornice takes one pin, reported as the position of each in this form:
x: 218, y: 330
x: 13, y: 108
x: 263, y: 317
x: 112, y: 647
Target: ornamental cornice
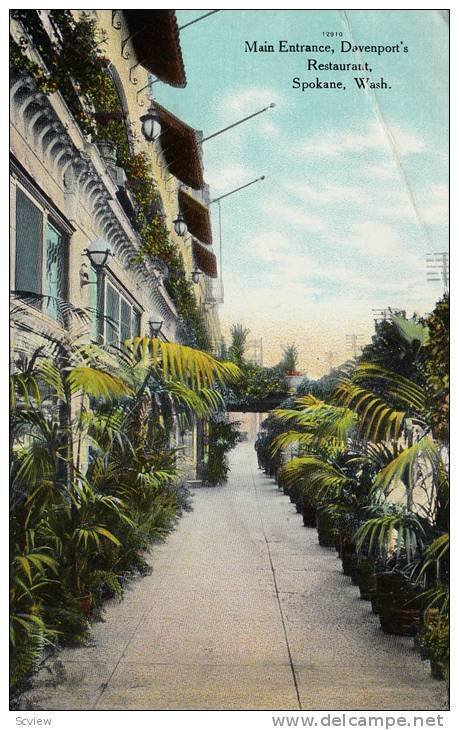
x: 48, y: 127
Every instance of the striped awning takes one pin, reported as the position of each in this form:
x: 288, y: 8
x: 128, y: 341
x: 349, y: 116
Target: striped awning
x: 155, y: 39
x: 180, y: 149
x: 205, y: 259
x: 196, y: 217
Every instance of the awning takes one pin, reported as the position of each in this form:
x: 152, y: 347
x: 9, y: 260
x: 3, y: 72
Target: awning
x: 196, y: 217
x: 180, y: 149
x: 155, y: 39
x: 205, y: 260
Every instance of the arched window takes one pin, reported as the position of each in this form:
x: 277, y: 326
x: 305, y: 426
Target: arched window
x: 111, y: 115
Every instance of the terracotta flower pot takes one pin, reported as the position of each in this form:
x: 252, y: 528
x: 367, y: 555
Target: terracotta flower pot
x: 346, y: 552
x: 85, y: 604
x: 398, y: 611
x: 366, y: 578
x: 309, y: 514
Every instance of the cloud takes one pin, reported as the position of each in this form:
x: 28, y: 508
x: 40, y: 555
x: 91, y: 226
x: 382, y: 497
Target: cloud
x: 283, y: 265
x: 339, y: 142
x: 268, y: 128
x: 285, y: 213
x: 224, y: 177
x: 381, y: 171
x: 373, y: 238
x: 326, y: 193
x: 246, y: 99
x: 434, y: 205
x: 269, y: 246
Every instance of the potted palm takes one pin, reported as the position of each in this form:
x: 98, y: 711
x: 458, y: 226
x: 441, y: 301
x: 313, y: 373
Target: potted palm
x: 434, y: 640
x: 308, y: 511
x: 289, y: 366
x: 396, y: 538
x: 328, y: 518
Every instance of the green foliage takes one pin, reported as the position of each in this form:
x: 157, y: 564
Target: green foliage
x: 269, y: 459
x: 75, y: 57
x: 434, y: 637
x: 258, y: 389
x: 93, y: 479
x: 437, y: 369
x: 398, y: 346
x: 396, y: 529
x: 289, y: 360
x: 375, y: 436
x: 236, y: 350
x: 323, y: 388
x: 222, y: 437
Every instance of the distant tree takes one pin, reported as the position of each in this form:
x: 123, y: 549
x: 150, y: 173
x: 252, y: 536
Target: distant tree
x: 289, y: 362
x: 323, y: 387
x: 237, y: 348
x: 397, y: 346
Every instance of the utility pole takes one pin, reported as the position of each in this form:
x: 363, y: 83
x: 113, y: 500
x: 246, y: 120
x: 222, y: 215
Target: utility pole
x: 382, y: 315
x: 438, y: 268
x: 256, y: 346
x: 330, y: 355
x: 352, y: 343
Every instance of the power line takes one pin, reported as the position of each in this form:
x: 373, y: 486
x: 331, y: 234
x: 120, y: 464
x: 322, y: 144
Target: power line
x: 382, y: 315
x: 256, y: 348
x: 438, y: 268
x: 352, y: 342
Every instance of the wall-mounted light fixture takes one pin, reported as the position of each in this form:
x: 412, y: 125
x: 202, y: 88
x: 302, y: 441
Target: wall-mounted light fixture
x: 151, y: 125
x: 84, y: 276
x: 180, y: 227
x: 195, y: 276
x: 98, y: 253
x: 155, y: 328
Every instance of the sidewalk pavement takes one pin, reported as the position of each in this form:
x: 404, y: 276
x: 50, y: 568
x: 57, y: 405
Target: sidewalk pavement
x: 243, y: 610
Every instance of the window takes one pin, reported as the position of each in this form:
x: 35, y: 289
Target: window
x: 122, y: 318
x: 54, y: 270
x: 40, y: 256
x: 135, y: 323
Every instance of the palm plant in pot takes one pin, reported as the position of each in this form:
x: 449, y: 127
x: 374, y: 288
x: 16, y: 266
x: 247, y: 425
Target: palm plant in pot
x: 92, y: 480
x: 289, y: 363
x: 320, y: 434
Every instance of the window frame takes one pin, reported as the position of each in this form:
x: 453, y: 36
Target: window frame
x: 47, y: 218
x: 109, y: 279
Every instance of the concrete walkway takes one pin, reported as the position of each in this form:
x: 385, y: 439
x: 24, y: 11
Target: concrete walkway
x: 243, y: 610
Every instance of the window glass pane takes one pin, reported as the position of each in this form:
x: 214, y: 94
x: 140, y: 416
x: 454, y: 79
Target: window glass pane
x: 93, y: 303
x: 135, y: 326
x: 125, y: 327
x: 29, y: 232
x: 112, y: 313
x: 54, y: 272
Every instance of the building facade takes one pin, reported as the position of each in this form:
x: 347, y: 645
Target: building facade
x: 109, y: 208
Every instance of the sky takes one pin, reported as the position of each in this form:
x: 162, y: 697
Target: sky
x: 356, y: 181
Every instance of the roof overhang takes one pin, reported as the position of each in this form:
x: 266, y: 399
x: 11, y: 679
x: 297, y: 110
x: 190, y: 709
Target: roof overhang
x: 155, y: 38
x: 180, y: 149
x: 196, y: 217
x: 205, y: 259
